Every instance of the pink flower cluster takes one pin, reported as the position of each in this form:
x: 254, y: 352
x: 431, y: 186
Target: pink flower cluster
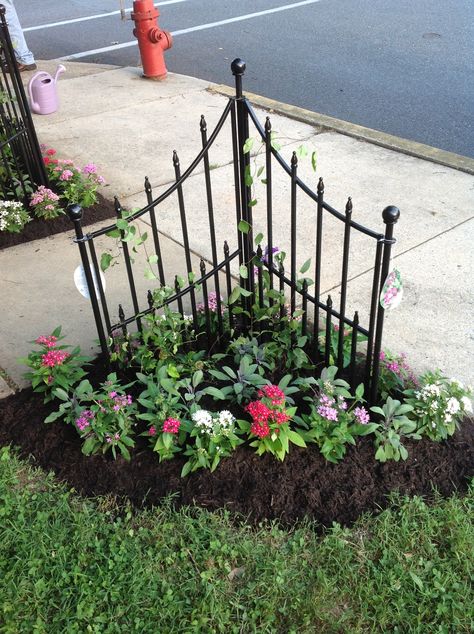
x: 330, y: 408
x: 42, y: 195
x: 211, y: 303
x: 109, y: 439
x: 399, y: 367
x: 152, y: 431
x: 171, y: 426
x: 264, y: 415
x: 362, y: 415
x: 120, y: 401
x: 53, y: 358
x: 49, y: 342
x: 90, y: 168
x: 84, y: 419
x: 274, y: 393
x: 65, y: 175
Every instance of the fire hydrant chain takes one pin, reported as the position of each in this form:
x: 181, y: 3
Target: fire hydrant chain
x: 152, y: 41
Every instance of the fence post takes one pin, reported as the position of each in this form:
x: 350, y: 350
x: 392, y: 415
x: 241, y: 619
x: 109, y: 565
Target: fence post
x: 238, y: 70
x: 75, y: 214
x: 390, y: 217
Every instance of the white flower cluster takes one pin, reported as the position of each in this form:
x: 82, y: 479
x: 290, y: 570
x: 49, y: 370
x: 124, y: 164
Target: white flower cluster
x: 214, y: 423
x: 433, y: 394
x: 11, y: 214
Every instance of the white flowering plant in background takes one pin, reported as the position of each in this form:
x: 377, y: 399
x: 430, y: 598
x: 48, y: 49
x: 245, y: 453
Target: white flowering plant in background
x: 439, y: 405
x: 214, y: 438
x: 13, y: 216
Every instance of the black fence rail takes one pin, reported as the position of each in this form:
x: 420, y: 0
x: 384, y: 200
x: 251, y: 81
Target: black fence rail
x: 21, y: 163
x: 318, y: 314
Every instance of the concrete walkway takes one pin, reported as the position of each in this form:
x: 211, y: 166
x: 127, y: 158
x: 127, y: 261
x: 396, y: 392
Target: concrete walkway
x: 130, y: 126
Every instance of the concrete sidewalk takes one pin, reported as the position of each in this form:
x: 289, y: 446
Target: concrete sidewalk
x: 130, y: 126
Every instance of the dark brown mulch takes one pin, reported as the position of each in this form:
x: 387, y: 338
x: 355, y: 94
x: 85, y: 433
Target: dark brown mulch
x: 305, y: 484
x: 38, y: 228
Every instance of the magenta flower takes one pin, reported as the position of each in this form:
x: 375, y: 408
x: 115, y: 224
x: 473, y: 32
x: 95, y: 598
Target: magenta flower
x: 53, y: 358
x: 171, y: 426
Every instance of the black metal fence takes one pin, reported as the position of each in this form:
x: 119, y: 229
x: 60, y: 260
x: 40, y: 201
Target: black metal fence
x: 318, y: 313
x: 21, y: 164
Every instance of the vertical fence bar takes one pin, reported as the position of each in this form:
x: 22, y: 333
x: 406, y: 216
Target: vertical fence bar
x: 228, y: 281
x: 154, y: 230
x: 128, y: 265
x: 207, y: 314
x: 390, y: 217
x: 100, y: 286
x: 294, y: 170
x: 373, y: 313
x: 180, y: 299
x: 235, y: 153
x: 260, y: 277
x: 352, y: 365
x: 304, y: 318
x: 281, y: 270
x: 345, y: 268
x: 184, y: 227
x: 150, y: 301
x: 121, y: 316
x: 212, y: 230
x: 269, y: 193
x: 327, y: 342
x: 317, y: 266
x: 238, y: 70
x: 75, y: 215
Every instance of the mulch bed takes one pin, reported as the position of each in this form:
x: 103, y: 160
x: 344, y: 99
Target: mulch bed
x: 38, y: 228
x: 305, y: 484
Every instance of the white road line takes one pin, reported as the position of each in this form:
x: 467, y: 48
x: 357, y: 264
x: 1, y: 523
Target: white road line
x: 91, y: 17
x: 200, y: 27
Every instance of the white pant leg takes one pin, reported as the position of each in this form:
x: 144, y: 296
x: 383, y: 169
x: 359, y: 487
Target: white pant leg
x: 22, y: 52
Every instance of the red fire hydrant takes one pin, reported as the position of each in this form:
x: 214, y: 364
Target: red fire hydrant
x: 152, y: 41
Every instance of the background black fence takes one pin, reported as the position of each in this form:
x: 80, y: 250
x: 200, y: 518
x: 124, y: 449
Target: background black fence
x: 21, y: 164
x: 318, y: 314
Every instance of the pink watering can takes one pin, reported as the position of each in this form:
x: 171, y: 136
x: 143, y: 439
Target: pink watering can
x: 42, y: 90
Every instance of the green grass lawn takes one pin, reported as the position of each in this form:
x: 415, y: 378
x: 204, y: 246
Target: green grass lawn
x: 73, y: 565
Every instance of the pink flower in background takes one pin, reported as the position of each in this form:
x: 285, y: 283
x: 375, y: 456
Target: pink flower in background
x: 90, y: 168
x: 152, y: 431
x: 211, y: 303
x: 49, y: 342
x: 66, y: 175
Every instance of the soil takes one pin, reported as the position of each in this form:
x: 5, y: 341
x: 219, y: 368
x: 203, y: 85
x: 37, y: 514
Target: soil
x: 258, y: 488
x: 39, y: 228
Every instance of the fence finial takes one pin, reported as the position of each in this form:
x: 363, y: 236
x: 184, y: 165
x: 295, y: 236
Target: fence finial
x: 238, y: 66
x: 390, y: 215
x: 74, y: 212
x: 203, y: 123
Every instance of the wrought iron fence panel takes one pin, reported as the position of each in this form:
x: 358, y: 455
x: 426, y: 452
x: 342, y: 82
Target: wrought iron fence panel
x: 21, y: 163
x: 324, y: 323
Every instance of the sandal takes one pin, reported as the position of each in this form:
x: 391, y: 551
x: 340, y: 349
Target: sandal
x: 22, y: 67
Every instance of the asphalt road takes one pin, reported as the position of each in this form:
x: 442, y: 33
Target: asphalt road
x: 402, y: 66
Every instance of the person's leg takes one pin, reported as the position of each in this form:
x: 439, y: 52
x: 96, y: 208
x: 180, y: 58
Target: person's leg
x: 22, y: 53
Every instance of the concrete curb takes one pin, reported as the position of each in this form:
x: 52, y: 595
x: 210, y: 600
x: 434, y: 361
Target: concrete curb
x: 412, y: 148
